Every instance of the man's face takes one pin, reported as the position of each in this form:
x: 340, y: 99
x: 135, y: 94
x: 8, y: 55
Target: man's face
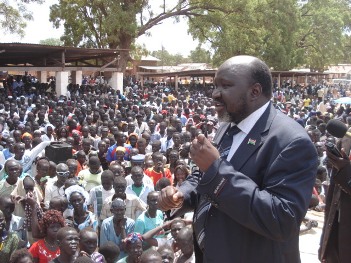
x: 152, y: 200
x: 19, y: 150
x: 13, y: 170
x: 107, y: 182
x: 158, y: 161
x: 119, y: 188
x: 7, y: 207
x: 137, y: 177
x: 118, y: 211
x: 152, y: 125
x: 231, y: 95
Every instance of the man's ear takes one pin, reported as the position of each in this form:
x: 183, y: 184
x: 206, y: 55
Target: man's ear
x: 256, y: 91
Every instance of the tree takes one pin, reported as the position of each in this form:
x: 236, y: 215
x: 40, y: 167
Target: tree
x: 51, y: 42
x: 200, y: 55
x: 322, y: 32
x: 117, y: 23
x: 13, y: 15
x: 282, y: 33
x: 168, y: 59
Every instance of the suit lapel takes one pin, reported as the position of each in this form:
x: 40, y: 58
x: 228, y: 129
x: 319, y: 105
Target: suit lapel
x: 220, y: 133
x: 254, y: 139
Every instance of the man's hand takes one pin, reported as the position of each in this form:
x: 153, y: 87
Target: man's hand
x: 203, y: 153
x: 338, y: 162
x: 170, y: 198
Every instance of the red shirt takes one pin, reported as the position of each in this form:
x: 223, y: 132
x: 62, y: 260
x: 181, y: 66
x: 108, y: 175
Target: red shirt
x: 40, y: 251
x: 155, y: 176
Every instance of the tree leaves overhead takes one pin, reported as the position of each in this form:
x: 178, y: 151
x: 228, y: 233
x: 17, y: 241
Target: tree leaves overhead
x: 280, y: 32
x: 117, y: 23
x: 14, y: 14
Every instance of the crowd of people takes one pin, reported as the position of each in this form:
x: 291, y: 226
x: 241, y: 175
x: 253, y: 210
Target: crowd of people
x: 101, y: 204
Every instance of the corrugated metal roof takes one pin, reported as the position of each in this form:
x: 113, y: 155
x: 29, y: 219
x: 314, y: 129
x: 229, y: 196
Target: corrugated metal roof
x: 45, y: 55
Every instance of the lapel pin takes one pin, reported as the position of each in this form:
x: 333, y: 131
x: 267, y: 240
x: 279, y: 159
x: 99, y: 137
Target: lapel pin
x: 251, y: 142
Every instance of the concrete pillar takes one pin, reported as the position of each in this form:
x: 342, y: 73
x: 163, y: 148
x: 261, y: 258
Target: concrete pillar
x: 279, y: 84
x: 77, y: 77
x: 117, y: 81
x: 176, y: 82
x: 61, y: 83
x: 42, y: 76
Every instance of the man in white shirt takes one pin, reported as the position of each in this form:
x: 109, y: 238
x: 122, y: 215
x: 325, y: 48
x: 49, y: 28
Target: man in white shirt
x: 138, y: 188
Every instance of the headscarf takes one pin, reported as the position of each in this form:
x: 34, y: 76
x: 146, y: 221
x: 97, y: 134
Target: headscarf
x: 48, y: 125
x: 120, y: 149
x: 133, y: 238
x: 132, y: 134
x: 27, y: 134
x: 76, y: 189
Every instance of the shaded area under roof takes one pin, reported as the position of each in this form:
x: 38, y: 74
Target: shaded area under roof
x: 17, y: 54
x: 212, y: 72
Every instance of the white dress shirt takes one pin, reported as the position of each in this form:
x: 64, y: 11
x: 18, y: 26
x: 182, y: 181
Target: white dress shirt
x: 245, y: 126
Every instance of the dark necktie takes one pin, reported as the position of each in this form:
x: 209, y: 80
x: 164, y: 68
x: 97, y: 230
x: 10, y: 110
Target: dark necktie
x: 204, y: 205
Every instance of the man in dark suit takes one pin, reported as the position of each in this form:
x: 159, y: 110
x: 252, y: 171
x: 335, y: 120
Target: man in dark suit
x: 252, y: 196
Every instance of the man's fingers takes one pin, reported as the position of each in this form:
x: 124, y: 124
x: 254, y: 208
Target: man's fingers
x: 178, y: 197
x: 166, y: 198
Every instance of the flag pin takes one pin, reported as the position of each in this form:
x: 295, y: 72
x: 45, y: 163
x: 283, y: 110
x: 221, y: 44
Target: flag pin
x: 251, y: 142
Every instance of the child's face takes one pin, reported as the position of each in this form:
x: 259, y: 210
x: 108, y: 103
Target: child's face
x: 88, y: 242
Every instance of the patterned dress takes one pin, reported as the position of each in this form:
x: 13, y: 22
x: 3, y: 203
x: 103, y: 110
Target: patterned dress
x: 40, y: 251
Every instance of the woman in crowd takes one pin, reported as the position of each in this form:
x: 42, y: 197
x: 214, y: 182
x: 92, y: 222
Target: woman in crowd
x: 181, y: 172
x: 21, y: 256
x: 27, y: 140
x: 47, y: 248
x: 9, y: 241
x: 62, y: 133
x: 68, y: 241
x: 82, y: 218
x: 132, y: 139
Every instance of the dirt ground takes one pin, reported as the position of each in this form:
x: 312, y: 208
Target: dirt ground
x: 309, y: 241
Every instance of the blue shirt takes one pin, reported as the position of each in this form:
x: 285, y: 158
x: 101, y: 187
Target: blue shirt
x: 108, y: 233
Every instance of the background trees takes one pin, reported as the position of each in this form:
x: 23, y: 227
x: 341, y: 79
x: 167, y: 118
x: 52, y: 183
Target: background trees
x: 117, y: 23
x: 281, y: 32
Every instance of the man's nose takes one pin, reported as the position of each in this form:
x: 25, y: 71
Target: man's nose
x: 216, y: 93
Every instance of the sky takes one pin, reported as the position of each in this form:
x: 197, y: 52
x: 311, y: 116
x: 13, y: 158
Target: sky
x: 172, y: 36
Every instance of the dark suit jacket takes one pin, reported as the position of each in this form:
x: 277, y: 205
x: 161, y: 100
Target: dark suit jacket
x: 260, y: 197
x: 336, y: 235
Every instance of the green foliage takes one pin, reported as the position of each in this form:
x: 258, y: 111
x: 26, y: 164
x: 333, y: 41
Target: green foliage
x: 117, y: 23
x: 200, y: 55
x: 51, y: 42
x: 168, y: 59
x: 13, y: 15
x: 280, y: 32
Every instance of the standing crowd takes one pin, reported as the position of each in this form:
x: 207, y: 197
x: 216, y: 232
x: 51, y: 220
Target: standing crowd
x: 101, y: 204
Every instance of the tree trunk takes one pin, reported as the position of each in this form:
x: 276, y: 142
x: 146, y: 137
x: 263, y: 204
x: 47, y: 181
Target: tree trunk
x: 124, y: 53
